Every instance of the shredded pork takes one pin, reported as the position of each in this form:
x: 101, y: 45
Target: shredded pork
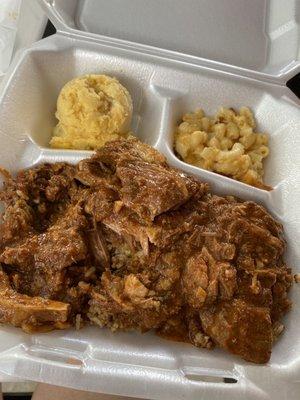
x: 124, y: 241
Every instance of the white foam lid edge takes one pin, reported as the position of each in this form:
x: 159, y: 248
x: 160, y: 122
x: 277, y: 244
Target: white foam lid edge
x: 257, y: 35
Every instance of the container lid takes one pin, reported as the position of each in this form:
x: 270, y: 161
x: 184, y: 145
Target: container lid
x: 260, y: 35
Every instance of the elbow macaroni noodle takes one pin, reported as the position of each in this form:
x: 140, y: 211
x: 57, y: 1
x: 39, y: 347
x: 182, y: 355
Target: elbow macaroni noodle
x: 226, y: 143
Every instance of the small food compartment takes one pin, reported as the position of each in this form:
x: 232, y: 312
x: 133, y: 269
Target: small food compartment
x: 280, y: 125
x: 41, y: 85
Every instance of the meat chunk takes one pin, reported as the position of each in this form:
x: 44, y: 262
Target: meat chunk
x: 39, y: 191
x: 114, y: 152
x: 30, y: 313
x: 151, y: 189
x: 205, y: 280
x: 257, y: 240
x: 54, y: 250
x: 127, y: 304
x: 41, y: 259
x: 241, y: 328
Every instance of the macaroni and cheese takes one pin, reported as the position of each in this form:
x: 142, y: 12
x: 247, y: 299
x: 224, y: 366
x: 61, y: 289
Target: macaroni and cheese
x: 226, y: 143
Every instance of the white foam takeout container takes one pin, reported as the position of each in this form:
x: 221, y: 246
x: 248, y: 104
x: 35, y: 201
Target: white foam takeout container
x: 172, y: 56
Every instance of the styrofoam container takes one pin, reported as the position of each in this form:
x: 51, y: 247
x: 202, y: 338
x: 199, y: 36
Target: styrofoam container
x: 157, y: 50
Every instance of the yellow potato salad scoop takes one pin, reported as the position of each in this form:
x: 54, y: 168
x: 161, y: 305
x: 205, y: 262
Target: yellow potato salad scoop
x: 91, y: 110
